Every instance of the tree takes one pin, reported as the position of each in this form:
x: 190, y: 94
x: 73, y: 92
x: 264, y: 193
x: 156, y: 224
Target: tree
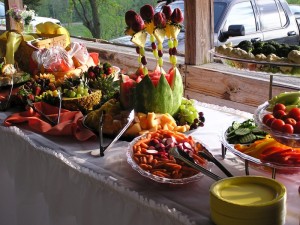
x: 89, y: 15
x: 32, y: 4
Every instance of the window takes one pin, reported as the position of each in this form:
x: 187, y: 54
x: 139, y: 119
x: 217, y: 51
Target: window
x: 242, y: 13
x: 272, y: 14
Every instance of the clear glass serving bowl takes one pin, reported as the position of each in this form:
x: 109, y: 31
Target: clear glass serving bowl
x: 264, y: 67
x: 292, y: 140
x: 151, y: 176
x: 257, y: 163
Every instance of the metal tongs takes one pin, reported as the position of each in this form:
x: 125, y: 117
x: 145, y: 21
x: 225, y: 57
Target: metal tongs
x: 100, y: 151
x: 43, y: 115
x: 204, y: 153
x: 183, y: 156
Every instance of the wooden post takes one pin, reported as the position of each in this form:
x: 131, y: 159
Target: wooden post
x: 199, y: 31
x: 10, y: 23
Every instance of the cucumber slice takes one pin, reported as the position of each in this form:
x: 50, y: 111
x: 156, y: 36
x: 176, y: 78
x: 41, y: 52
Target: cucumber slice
x: 249, y: 138
x: 235, y: 125
x: 257, y: 130
x: 242, y: 131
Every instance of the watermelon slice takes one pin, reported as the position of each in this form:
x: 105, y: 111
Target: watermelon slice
x: 156, y: 92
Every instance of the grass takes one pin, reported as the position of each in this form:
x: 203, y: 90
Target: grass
x: 77, y: 29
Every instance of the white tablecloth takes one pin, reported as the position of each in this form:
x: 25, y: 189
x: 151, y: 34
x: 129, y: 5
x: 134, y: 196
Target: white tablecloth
x: 54, y: 181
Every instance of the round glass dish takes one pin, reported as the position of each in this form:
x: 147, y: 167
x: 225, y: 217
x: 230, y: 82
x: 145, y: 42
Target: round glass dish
x: 257, y: 163
x: 265, y: 67
x: 136, y: 167
x: 292, y: 140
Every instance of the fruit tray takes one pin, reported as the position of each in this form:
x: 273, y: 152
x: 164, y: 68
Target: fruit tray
x: 292, y: 140
x: 257, y: 163
x: 159, y: 179
x: 265, y: 67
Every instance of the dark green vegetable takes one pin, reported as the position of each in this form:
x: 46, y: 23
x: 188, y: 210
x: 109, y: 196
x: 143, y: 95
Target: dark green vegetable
x: 244, y: 133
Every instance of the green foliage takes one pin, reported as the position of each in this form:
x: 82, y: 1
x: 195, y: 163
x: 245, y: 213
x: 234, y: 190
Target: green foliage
x: 78, y: 29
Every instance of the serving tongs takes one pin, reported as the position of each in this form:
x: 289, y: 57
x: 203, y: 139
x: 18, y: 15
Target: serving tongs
x: 183, y: 156
x: 100, y: 151
x: 43, y: 115
x: 204, y: 153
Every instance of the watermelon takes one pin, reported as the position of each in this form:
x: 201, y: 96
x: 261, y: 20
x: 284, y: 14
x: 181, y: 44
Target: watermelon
x: 127, y: 86
x: 157, y: 92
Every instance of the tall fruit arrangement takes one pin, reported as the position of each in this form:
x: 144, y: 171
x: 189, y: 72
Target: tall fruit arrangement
x: 152, y: 91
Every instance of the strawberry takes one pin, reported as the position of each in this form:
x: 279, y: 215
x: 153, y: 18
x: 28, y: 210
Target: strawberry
x: 177, y: 16
x: 167, y: 11
x: 147, y: 12
x: 30, y: 97
x: 129, y: 17
x: 109, y: 70
x: 160, y: 20
x: 137, y: 23
x: 37, y: 90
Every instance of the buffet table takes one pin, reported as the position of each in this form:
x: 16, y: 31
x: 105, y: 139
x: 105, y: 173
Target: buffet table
x: 54, y: 180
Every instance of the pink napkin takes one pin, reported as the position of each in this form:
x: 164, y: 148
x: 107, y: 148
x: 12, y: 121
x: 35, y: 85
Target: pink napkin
x: 70, y: 121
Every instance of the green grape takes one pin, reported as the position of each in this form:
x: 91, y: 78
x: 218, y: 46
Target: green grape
x: 160, y: 62
x: 139, y: 58
x: 142, y: 51
x: 173, y: 59
x: 80, y: 89
x: 170, y: 43
x: 160, y: 46
x: 152, y: 38
x: 175, y: 43
x: 145, y: 70
x: 72, y: 94
x: 155, y: 53
x: 78, y: 95
x: 86, y: 91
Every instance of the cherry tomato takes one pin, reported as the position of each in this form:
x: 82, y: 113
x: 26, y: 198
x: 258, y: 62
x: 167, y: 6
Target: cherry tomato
x: 294, y: 113
x: 270, y: 121
x: 277, y: 124
x: 279, y: 106
x: 267, y: 117
x: 279, y: 114
x: 297, y: 128
x: 297, y: 118
x: 290, y: 121
x: 287, y: 128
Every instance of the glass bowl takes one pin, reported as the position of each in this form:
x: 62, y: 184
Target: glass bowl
x: 156, y: 178
x: 292, y: 140
x: 264, y: 67
x: 257, y: 163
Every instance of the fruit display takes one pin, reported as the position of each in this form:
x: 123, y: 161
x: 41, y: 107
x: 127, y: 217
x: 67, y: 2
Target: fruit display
x: 260, y: 56
x: 115, y: 118
x: 149, y: 155
x: 105, y: 78
x: 280, y: 117
x: 153, y: 92
x: 74, y: 94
